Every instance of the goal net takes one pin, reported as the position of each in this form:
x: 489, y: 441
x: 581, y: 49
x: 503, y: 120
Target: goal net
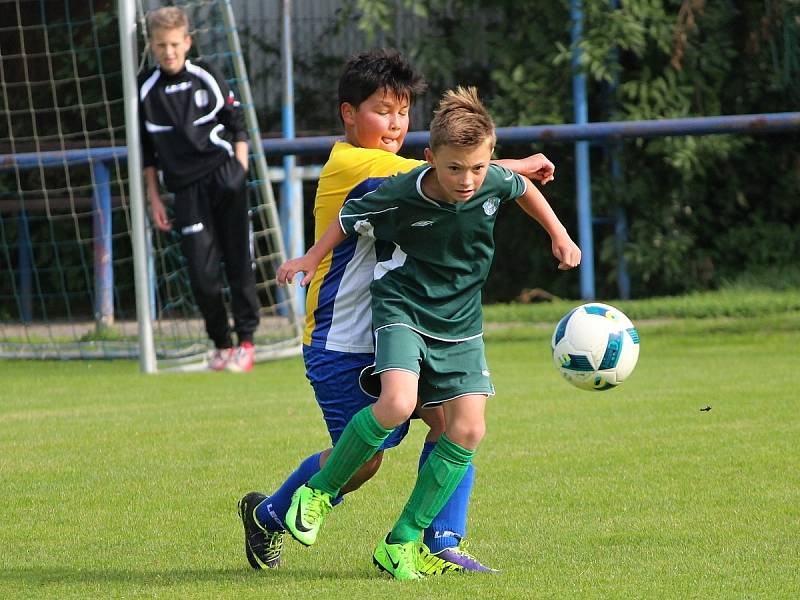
x: 66, y: 258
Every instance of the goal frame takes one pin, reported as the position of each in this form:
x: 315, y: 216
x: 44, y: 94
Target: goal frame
x: 129, y: 14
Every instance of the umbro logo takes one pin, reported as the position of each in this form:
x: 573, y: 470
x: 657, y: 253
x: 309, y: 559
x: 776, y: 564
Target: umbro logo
x: 422, y: 224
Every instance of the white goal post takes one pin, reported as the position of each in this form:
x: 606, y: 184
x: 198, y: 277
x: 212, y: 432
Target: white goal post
x: 82, y: 274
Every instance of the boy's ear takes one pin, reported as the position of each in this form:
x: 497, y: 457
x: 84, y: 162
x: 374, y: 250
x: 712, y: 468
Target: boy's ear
x: 429, y: 155
x: 348, y: 113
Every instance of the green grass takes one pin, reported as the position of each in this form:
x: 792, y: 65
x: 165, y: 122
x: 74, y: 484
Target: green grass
x: 115, y: 484
x: 702, y: 305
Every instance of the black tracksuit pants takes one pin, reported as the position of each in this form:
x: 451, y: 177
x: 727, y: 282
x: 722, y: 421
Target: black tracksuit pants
x: 212, y: 216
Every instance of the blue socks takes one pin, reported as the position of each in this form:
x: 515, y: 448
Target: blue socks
x: 450, y: 525
x: 271, y: 512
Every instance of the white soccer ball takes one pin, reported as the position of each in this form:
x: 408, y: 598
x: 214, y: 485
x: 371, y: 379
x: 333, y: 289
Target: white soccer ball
x: 595, y: 347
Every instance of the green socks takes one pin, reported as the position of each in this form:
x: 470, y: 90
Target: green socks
x: 438, y: 478
x: 358, y: 443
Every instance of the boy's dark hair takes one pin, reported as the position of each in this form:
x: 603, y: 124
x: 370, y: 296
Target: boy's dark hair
x: 376, y: 69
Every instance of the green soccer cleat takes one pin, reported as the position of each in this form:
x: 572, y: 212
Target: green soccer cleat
x: 398, y: 560
x: 306, y: 513
x: 262, y: 547
x: 431, y: 564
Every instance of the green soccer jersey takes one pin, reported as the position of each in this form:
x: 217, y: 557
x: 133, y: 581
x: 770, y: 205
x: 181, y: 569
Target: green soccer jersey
x: 430, y: 277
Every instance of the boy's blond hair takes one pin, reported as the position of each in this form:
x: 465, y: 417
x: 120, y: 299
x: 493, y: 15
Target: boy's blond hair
x: 167, y: 17
x: 461, y: 120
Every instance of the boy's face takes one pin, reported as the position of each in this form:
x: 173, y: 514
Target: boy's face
x: 459, y: 171
x: 379, y: 122
x: 169, y: 47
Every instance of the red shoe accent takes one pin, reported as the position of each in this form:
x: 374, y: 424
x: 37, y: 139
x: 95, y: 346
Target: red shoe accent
x: 220, y: 358
x: 242, y: 359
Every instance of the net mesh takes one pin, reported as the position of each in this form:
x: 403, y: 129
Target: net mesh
x: 66, y: 261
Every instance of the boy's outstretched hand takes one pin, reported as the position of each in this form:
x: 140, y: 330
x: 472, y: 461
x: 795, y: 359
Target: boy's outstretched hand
x: 566, y: 251
x: 538, y: 168
x: 292, y: 267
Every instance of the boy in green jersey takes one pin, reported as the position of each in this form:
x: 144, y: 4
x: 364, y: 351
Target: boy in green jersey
x: 427, y: 315
x: 377, y: 90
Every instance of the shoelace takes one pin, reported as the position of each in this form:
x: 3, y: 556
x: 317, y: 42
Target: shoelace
x: 461, y: 549
x: 408, y: 554
x: 317, y: 507
x: 274, y: 545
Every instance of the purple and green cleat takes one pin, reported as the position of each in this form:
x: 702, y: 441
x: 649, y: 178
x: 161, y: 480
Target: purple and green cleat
x: 461, y: 560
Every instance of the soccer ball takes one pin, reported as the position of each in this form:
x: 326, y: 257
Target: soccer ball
x: 595, y: 347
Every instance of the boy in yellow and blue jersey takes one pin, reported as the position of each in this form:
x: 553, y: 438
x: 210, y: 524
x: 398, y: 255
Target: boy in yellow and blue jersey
x: 437, y: 222
x: 376, y: 92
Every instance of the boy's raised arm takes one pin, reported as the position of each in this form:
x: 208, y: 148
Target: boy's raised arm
x: 537, y: 207
x: 310, y: 261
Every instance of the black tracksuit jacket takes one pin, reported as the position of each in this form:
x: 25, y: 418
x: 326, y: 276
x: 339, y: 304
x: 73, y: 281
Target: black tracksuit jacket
x: 189, y: 122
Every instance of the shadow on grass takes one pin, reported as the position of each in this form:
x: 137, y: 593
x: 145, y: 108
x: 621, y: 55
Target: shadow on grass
x: 75, y: 575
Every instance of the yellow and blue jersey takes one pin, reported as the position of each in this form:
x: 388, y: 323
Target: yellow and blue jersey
x: 338, y: 312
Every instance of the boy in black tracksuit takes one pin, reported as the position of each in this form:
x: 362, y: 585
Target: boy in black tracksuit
x: 193, y: 128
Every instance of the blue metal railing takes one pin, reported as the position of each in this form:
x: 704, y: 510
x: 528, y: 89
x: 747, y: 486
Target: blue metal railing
x: 608, y: 131
x: 770, y: 123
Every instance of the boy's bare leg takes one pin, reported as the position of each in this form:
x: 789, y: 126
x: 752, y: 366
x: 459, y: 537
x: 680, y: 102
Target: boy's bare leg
x: 360, y: 477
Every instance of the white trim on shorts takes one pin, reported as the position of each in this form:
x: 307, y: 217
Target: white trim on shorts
x: 433, y: 403
x: 428, y: 335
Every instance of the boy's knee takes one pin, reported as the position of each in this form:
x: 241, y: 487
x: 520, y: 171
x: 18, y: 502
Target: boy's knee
x: 466, y: 435
x: 393, y: 408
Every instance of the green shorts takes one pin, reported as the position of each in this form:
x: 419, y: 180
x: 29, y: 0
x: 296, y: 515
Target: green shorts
x: 446, y: 370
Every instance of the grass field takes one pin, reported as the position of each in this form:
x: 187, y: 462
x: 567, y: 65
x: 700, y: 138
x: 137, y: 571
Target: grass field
x: 120, y: 485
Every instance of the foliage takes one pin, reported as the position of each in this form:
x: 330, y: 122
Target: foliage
x: 692, y: 202
x: 314, y: 84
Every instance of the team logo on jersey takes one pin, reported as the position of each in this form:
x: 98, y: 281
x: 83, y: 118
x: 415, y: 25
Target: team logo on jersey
x: 491, y: 205
x: 201, y: 98
x: 365, y: 228
x: 422, y: 224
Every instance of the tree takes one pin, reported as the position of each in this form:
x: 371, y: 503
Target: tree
x: 703, y: 210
